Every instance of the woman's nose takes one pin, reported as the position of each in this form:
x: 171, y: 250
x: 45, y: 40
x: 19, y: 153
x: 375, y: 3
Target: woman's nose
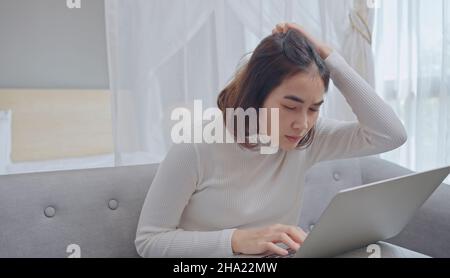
x: 301, y: 124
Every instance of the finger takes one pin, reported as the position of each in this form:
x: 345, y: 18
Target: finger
x: 301, y: 233
x: 272, y: 247
x: 294, y: 26
x: 284, y: 238
x: 279, y: 28
x: 304, y: 234
x: 299, y: 29
x: 284, y: 27
x: 295, y: 233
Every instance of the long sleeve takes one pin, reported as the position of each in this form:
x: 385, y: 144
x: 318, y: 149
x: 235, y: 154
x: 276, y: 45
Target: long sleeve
x: 157, y: 234
x: 377, y: 130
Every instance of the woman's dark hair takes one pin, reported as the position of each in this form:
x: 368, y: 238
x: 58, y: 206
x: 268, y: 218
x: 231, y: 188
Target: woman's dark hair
x: 277, y: 57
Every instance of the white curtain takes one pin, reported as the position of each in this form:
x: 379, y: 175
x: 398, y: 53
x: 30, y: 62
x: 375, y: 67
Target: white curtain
x: 412, y: 50
x: 164, y: 54
x: 348, y: 27
x: 5, y: 140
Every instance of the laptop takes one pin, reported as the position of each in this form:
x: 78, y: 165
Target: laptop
x: 363, y: 215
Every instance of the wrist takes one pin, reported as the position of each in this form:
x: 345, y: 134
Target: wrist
x: 234, y: 241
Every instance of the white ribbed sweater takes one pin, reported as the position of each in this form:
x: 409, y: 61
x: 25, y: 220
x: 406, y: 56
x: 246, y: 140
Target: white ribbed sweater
x: 202, y: 192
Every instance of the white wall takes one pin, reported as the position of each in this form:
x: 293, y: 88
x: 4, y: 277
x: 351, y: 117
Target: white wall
x: 44, y: 44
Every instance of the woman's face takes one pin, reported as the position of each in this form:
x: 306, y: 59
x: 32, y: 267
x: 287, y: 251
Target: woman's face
x: 298, y: 98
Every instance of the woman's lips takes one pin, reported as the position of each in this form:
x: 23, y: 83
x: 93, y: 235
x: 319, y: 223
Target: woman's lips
x: 293, y: 139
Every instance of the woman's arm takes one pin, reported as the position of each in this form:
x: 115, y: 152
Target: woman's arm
x: 158, y: 234
x: 378, y: 128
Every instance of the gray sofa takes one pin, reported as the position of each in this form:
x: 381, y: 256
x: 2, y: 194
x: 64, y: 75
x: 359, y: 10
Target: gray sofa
x: 43, y: 214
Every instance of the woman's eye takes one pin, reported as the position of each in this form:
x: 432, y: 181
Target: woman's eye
x: 314, y: 110
x: 290, y: 108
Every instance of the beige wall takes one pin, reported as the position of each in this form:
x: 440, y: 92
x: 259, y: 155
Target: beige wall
x: 55, y: 124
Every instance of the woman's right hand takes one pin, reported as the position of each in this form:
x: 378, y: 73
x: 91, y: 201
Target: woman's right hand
x: 259, y: 240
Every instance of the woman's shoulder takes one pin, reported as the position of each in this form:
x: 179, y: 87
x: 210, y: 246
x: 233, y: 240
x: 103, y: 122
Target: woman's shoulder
x: 326, y: 123
x: 194, y: 150
x: 200, y: 158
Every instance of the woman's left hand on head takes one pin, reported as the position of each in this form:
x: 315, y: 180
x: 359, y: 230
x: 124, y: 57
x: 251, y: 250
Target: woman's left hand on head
x: 323, y: 49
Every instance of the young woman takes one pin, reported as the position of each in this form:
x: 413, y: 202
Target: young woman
x: 216, y: 200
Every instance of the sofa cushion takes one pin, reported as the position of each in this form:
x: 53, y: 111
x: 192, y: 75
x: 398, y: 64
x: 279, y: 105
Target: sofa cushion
x: 41, y: 214
x: 322, y: 182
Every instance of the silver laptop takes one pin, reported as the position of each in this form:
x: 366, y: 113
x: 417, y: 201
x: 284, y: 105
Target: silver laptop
x: 363, y: 215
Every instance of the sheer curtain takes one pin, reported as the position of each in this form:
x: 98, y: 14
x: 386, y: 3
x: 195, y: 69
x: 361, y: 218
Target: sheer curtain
x: 412, y: 50
x: 164, y: 54
x: 348, y: 26
x: 5, y: 140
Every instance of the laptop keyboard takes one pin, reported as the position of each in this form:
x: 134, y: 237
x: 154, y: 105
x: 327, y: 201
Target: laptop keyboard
x: 291, y: 253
